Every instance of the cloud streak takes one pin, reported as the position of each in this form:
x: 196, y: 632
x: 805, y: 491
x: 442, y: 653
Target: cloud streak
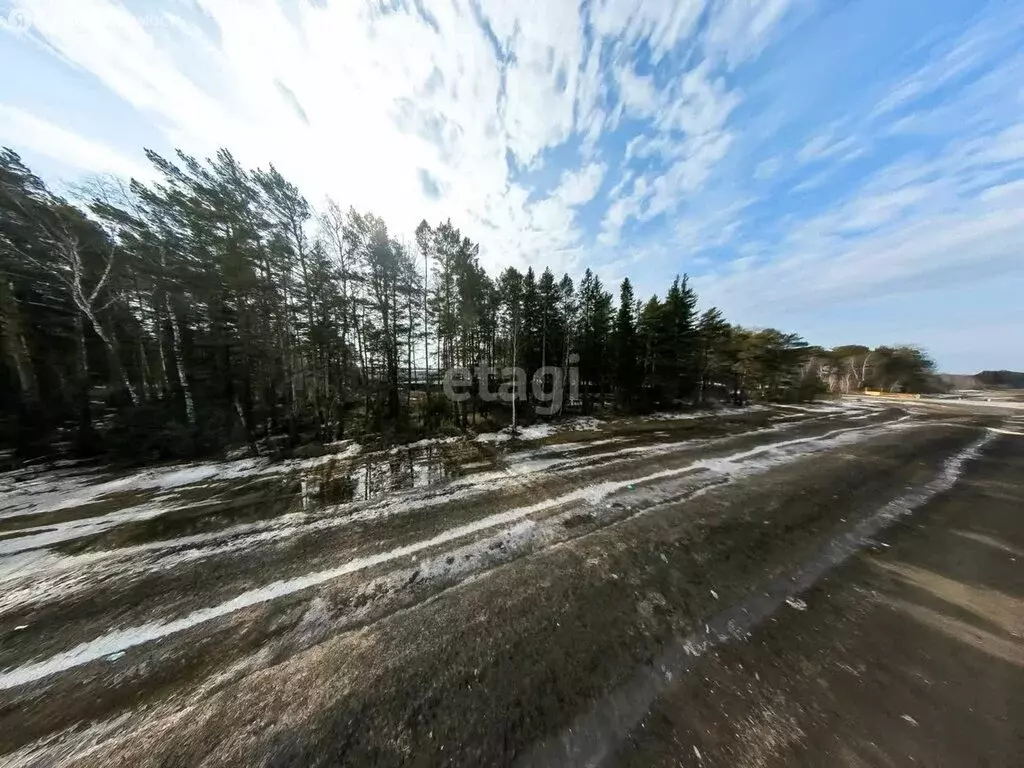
x: 607, y: 132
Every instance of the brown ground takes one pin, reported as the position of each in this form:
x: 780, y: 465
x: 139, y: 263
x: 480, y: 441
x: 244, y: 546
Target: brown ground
x: 910, y: 654
x: 616, y: 634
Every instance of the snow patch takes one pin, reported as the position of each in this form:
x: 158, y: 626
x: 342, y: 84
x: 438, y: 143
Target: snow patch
x: 590, y: 737
x: 122, y: 639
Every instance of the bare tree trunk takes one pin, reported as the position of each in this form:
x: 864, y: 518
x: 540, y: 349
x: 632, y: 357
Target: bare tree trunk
x: 179, y: 364
x: 158, y: 333
x: 147, y: 386
x: 115, y: 359
x: 86, y: 303
x: 408, y: 352
x: 515, y: 381
x: 346, y: 313
x: 144, y: 373
x: 358, y: 321
x: 426, y: 330
x: 86, y: 441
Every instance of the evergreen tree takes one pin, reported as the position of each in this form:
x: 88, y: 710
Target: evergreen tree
x: 625, y: 345
x: 214, y: 306
x: 714, y: 335
x: 678, y: 340
x: 531, y: 340
x: 595, y: 320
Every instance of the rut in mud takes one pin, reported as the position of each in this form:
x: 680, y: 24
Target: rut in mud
x: 519, y: 605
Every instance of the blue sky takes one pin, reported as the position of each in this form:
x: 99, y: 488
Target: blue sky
x: 852, y: 170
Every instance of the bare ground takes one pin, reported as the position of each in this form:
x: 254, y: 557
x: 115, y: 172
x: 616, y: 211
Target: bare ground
x: 643, y: 595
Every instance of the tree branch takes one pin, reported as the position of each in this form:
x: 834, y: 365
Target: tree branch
x: 106, y: 274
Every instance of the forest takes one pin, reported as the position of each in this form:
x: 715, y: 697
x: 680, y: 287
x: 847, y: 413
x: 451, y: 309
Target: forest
x: 216, y: 307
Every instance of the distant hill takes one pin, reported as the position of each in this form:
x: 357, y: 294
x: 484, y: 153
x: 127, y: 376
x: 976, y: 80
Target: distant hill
x: 985, y: 380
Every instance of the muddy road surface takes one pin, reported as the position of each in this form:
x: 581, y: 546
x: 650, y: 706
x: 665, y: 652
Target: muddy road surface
x: 816, y: 585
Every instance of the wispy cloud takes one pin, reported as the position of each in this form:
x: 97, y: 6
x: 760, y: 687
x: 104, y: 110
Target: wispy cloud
x: 363, y: 103
x: 826, y: 145
x: 578, y: 187
x: 909, y: 226
x: 767, y: 168
x: 28, y: 131
x: 975, y: 49
x: 611, y: 132
x: 740, y: 29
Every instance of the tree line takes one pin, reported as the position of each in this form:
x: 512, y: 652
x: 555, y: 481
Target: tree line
x: 215, y: 306
x: 850, y: 368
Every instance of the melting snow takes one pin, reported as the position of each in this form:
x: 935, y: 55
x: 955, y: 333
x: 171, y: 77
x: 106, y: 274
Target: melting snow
x: 734, y: 465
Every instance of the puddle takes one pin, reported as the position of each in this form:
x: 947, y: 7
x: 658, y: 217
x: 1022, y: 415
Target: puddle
x: 125, y: 519
x: 408, y: 467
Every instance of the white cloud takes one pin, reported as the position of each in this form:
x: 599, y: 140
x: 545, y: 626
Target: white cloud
x: 364, y: 100
x: 384, y: 95
x: 360, y: 103
x: 709, y: 226
x: 850, y: 271
x: 24, y: 130
x: 825, y: 145
x: 663, y: 23
x: 954, y: 216
x: 619, y: 212
x: 977, y: 46
x: 702, y: 104
x: 739, y: 30
x: 578, y: 187
x: 813, y: 182
x: 766, y: 169
x: 545, y: 40
x: 871, y: 212
x: 689, y: 174
x: 901, y: 94
x: 638, y: 93
x: 690, y: 136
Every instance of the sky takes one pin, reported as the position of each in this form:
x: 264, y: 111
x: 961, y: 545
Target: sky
x: 850, y: 170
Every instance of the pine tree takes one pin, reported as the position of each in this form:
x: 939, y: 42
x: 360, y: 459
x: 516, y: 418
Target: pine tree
x: 595, y: 320
x: 713, y: 350
x: 213, y: 306
x: 625, y: 345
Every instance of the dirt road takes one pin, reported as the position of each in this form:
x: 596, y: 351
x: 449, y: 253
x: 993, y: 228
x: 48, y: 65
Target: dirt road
x: 816, y: 585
